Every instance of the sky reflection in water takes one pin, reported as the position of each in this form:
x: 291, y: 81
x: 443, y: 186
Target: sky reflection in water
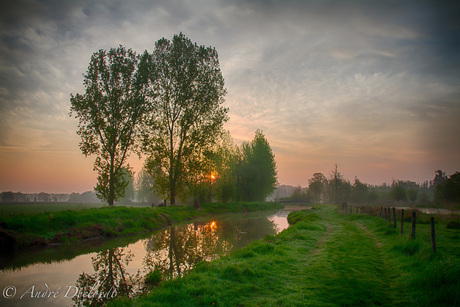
x: 96, y: 277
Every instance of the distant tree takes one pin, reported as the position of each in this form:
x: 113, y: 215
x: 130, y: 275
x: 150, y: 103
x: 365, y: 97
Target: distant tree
x: 255, y: 171
x: 449, y: 190
x: 7, y: 196
x: 412, y: 194
x: 43, y: 197
x: 398, y: 193
x: 145, y: 188
x: 439, y: 178
x: 359, y: 192
x: 187, y: 90
x: 339, y: 188
x: 372, y: 196
x: 299, y: 195
x: 109, y: 113
x: 316, y: 186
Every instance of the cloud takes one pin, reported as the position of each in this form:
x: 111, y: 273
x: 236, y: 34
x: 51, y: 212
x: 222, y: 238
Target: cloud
x: 327, y: 81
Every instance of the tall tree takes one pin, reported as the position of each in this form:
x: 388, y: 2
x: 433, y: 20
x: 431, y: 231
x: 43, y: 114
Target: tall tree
x: 398, y: 193
x: 449, y: 190
x: 187, y: 95
x: 316, y: 186
x: 109, y: 113
x: 224, y: 160
x: 360, y: 192
x: 255, y: 172
x: 335, y: 185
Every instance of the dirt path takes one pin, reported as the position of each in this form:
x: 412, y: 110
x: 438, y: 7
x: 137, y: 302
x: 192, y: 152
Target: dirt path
x: 348, y: 265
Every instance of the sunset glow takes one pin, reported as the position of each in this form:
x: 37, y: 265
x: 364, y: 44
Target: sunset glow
x: 347, y: 83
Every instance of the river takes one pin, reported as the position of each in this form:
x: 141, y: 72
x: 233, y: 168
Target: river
x: 117, y: 267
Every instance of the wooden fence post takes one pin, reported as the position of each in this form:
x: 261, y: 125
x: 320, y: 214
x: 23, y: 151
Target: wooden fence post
x: 414, y: 215
x: 433, y: 237
x: 385, y: 213
x: 394, y: 217
x: 389, y: 215
x: 402, y: 220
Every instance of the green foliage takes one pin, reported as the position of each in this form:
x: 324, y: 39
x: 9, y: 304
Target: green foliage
x: 412, y: 194
x: 299, y: 195
x: 339, y: 189
x: 224, y: 162
x: 398, y: 193
x: 186, y: 89
x: 255, y: 172
x: 317, y: 186
x: 109, y: 113
x: 360, y: 193
x: 448, y: 190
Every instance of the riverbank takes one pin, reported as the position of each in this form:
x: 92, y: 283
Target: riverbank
x: 324, y: 259
x: 26, y: 231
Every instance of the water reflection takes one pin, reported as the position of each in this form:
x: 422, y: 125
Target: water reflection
x: 177, y: 250
x: 92, y: 279
x: 108, y: 281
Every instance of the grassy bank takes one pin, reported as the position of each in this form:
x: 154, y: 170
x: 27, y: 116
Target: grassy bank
x: 22, y: 231
x: 323, y: 259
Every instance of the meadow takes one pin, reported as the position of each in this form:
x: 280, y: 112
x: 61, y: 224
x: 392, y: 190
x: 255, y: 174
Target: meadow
x: 9, y: 209
x: 324, y: 259
x: 28, y: 228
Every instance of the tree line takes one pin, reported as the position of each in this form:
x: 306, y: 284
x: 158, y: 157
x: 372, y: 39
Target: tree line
x: 168, y: 106
x: 336, y: 189
x: 232, y: 173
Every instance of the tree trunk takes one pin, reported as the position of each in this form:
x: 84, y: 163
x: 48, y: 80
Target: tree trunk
x: 111, y: 197
x: 173, y: 198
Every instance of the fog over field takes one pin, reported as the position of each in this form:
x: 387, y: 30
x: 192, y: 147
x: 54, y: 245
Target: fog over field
x: 373, y: 87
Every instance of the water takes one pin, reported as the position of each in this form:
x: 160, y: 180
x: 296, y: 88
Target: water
x: 119, y: 270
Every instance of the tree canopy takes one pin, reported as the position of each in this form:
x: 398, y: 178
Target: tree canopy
x: 109, y: 113
x: 186, y: 90
x: 255, y: 171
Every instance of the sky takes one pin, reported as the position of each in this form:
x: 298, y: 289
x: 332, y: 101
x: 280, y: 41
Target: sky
x: 372, y: 86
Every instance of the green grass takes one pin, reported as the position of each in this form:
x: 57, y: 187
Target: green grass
x: 64, y: 226
x: 323, y: 259
x: 8, y: 209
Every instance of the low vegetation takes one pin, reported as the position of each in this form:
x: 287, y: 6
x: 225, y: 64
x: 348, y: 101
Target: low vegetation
x: 324, y: 259
x: 27, y: 230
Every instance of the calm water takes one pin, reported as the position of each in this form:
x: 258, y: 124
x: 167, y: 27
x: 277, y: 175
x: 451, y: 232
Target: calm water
x: 98, y: 276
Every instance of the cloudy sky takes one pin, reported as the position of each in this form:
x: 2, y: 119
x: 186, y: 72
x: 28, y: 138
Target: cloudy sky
x: 373, y: 86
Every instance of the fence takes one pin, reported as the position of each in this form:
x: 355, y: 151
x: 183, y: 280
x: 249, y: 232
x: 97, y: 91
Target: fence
x: 389, y: 214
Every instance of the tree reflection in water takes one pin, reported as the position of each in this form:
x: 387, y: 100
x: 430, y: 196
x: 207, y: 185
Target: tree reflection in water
x: 109, y: 280
x: 173, y: 251
x: 177, y: 250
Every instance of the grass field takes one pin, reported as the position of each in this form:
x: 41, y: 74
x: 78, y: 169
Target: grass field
x: 27, y: 230
x: 8, y: 209
x: 324, y: 259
